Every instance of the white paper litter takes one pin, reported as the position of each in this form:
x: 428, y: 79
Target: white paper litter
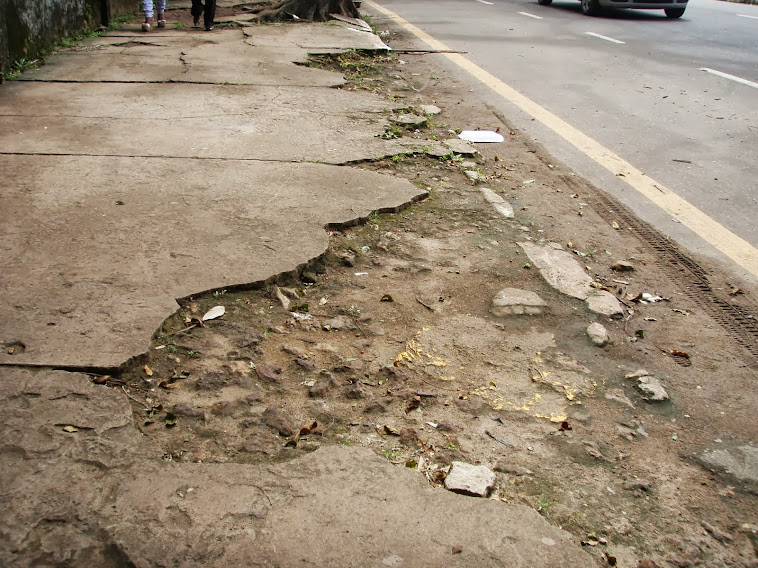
x: 214, y: 312
x: 481, y: 136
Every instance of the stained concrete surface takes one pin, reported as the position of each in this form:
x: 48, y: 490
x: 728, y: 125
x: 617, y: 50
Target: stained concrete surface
x: 99, y: 248
x: 96, y: 250
x: 103, y: 498
x: 195, y: 121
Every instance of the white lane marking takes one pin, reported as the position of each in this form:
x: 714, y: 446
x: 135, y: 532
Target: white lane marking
x: 746, y: 16
x: 606, y: 38
x: 530, y: 15
x: 730, y: 77
x: 485, y: 2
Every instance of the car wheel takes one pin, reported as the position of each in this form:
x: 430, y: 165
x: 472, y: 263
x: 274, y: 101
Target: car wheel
x: 674, y: 12
x: 590, y: 7
x: 544, y: 2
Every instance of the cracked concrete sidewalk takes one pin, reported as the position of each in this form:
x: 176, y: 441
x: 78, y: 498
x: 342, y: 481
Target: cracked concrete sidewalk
x: 143, y: 169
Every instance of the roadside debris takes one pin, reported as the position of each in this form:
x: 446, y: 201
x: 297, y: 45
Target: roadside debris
x: 622, y: 266
x: 650, y: 386
x: 598, y: 334
x: 512, y: 301
x: 214, y: 313
x: 481, y: 136
x: 474, y: 480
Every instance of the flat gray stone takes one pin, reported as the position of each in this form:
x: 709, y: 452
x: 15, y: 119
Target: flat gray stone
x: 733, y: 458
x: 622, y: 266
x: 429, y: 110
x: 436, y: 150
x: 461, y: 147
x: 651, y: 388
x: 410, y: 120
x: 475, y: 480
x: 71, y: 305
x: 598, y: 334
x: 605, y: 303
x: 500, y: 204
x: 472, y: 175
x: 513, y: 301
x: 560, y: 269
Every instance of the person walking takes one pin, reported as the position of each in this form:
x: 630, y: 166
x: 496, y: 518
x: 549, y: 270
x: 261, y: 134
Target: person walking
x: 209, y: 11
x: 147, y: 7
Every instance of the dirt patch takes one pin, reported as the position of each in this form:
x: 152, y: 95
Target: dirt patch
x: 388, y: 342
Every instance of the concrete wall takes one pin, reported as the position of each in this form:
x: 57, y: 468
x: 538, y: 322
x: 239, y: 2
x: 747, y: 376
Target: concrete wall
x: 28, y: 28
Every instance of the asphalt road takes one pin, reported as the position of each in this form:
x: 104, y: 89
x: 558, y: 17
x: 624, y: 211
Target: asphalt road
x: 636, y: 86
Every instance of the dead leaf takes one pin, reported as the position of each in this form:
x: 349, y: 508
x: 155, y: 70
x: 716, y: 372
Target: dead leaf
x: 615, y: 225
x: 101, y: 380
x: 214, y: 313
x: 171, y: 419
x: 305, y: 430
x: 676, y: 353
x: 70, y: 429
x: 148, y: 371
x: 387, y: 298
x: 391, y: 431
x: 564, y: 426
x: 168, y: 384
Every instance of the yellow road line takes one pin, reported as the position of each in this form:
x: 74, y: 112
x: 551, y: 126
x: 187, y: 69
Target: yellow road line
x: 721, y: 238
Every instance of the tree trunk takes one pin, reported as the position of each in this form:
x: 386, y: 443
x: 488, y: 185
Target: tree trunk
x: 312, y: 10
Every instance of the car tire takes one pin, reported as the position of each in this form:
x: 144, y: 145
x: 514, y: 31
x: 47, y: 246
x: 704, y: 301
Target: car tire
x: 544, y: 2
x: 674, y: 12
x: 590, y: 7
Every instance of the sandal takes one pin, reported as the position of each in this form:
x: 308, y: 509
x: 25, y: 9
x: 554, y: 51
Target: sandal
x: 146, y: 27
x: 161, y: 23
x: 196, y: 21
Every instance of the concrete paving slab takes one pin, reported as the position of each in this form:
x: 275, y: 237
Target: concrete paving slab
x: 330, y: 36
x: 338, y: 506
x: 190, y: 56
x: 204, y: 121
x: 97, y: 249
x: 560, y: 269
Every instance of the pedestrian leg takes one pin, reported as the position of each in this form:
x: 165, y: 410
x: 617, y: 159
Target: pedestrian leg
x: 147, y: 8
x: 210, y: 14
x: 161, y: 5
x: 197, y: 11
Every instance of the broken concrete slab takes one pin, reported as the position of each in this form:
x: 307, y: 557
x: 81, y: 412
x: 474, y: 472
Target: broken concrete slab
x: 62, y: 505
x: 598, y: 334
x: 429, y: 110
x: 461, y: 147
x: 513, y: 301
x: 500, y: 204
x: 604, y: 303
x: 255, y: 123
x: 409, y: 120
x: 560, y: 269
x: 733, y: 458
x: 313, y: 37
x: 651, y: 387
x: 469, y: 479
x: 218, y: 223
x: 262, y: 57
